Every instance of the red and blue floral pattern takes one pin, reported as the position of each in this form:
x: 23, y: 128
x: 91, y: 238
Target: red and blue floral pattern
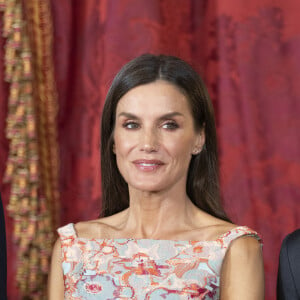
x: 143, y: 268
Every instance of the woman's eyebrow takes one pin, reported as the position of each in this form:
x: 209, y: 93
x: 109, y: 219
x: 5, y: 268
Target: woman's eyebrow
x: 171, y: 115
x: 128, y: 115
x: 163, y: 117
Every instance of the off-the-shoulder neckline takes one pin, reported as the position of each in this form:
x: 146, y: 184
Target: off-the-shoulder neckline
x: 246, y: 229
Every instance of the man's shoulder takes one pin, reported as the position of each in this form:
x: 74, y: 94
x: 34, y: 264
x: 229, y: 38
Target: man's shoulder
x: 292, y: 240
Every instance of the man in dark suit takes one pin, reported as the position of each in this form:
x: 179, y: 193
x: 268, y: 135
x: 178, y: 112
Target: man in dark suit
x: 2, y: 255
x: 288, y: 283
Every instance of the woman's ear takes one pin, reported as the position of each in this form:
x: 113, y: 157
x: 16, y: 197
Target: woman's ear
x: 114, y: 148
x: 199, y: 142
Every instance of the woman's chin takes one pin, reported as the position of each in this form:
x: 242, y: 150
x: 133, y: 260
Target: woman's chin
x: 147, y: 188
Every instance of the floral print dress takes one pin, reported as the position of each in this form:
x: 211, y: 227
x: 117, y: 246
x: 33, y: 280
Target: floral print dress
x: 143, y: 268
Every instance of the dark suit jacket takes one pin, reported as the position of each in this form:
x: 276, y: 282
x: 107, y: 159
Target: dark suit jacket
x: 2, y: 255
x: 288, y: 283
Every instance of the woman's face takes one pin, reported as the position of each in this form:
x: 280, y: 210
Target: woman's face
x: 154, y: 137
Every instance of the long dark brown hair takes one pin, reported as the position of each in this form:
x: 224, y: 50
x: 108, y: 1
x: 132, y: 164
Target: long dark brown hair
x: 202, y: 181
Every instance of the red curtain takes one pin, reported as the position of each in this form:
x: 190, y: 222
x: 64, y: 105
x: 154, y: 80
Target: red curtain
x: 249, y: 55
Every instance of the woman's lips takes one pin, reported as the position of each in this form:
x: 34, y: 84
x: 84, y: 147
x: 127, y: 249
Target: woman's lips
x: 148, y: 165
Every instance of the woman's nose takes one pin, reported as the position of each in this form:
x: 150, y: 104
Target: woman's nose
x: 149, y: 141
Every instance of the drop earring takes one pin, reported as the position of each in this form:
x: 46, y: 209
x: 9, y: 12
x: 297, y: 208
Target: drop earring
x: 196, y: 151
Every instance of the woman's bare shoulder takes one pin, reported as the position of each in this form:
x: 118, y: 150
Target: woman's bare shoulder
x: 217, y: 230
x: 213, y: 227
x: 99, y: 228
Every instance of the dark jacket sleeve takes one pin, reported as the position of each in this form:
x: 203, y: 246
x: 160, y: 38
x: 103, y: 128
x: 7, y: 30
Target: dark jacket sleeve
x: 288, y: 281
x: 2, y: 255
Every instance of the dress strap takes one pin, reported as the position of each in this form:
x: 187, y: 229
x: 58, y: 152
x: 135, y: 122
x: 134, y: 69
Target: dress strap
x: 238, y: 232
x: 67, y: 232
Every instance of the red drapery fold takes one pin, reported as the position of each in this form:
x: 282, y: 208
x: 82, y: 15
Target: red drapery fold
x: 249, y: 56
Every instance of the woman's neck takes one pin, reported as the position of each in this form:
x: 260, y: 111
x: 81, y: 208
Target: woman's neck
x: 155, y: 215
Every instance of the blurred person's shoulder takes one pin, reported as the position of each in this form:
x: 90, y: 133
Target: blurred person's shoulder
x: 293, y: 239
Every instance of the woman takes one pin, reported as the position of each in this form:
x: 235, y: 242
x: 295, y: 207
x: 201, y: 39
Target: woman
x: 163, y: 233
